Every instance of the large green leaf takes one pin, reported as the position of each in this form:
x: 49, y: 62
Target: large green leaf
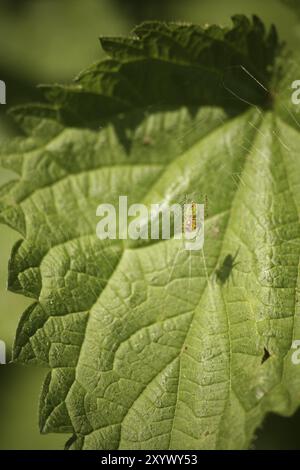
x: 146, y: 347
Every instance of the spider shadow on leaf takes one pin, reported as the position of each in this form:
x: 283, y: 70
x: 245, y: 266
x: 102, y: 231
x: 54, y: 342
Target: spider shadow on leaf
x: 224, y: 272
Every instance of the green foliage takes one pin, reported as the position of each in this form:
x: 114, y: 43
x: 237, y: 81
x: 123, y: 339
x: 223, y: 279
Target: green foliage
x: 145, y: 348
x: 52, y: 39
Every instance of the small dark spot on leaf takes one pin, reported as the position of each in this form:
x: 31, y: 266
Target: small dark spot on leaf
x: 265, y: 356
x: 147, y: 140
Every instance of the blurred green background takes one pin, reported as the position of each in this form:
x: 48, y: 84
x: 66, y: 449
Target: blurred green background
x: 44, y: 41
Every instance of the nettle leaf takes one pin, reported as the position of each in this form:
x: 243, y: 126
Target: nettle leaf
x: 150, y: 346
